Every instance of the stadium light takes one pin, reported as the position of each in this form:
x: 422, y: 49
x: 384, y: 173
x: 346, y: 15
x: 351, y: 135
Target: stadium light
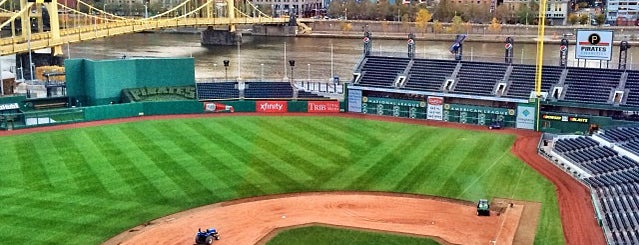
x: 226, y: 70
x: 292, y: 64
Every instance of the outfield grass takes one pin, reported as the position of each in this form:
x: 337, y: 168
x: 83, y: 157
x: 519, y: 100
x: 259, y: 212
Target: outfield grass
x: 82, y: 186
x: 319, y: 235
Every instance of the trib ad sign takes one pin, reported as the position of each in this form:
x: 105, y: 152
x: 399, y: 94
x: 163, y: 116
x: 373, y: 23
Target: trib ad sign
x: 594, y: 45
x: 323, y: 106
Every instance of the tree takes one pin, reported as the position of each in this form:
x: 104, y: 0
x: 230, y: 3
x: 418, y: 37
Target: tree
x: 457, y: 24
x: 495, y: 26
x: 583, y: 19
x: 444, y: 10
x: 600, y: 18
x: 573, y: 18
x: 502, y: 13
x: 423, y: 17
x: 438, y: 27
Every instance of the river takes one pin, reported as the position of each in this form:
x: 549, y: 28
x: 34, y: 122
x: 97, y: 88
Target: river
x: 315, y: 57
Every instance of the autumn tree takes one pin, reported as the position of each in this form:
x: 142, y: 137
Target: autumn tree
x: 438, y: 27
x: 573, y: 18
x: 457, y: 24
x: 583, y: 19
x: 423, y: 17
x: 495, y: 26
x: 600, y: 18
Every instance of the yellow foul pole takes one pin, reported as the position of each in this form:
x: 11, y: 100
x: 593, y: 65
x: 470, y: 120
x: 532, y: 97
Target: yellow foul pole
x: 541, y: 27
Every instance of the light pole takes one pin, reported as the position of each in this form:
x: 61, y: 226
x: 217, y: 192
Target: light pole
x: 146, y: 10
x: 262, y: 72
x: 292, y: 64
x: 226, y: 70
x: 214, y: 70
x: 308, y: 73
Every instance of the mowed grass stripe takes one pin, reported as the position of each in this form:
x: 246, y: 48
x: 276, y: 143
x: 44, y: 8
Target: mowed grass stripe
x: 57, y: 173
x: 384, y: 162
x: 468, y: 163
x: 421, y: 179
x: 175, y: 146
x: 267, y: 155
x: 235, y: 146
x: 346, y: 141
x: 104, y: 171
x: 276, y: 136
x: 322, y: 138
x: 10, y: 170
x: 356, y: 131
x: 134, y: 176
x: 170, y: 167
x: 348, y: 177
x: 75, y: 164
x: 31, y: 165
x: 215, y: 159
x: 415, y: 157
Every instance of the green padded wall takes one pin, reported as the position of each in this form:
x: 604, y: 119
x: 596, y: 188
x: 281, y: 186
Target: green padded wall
x: 101, y: 82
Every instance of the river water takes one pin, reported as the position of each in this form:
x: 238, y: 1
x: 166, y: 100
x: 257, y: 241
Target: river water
x: 316, y: 58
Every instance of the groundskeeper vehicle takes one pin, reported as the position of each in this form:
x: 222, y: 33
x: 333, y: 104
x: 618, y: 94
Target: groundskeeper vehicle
x: 483, y: 208
x: 207, y: 236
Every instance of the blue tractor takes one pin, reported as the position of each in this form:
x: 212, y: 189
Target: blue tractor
x: 207, y: 236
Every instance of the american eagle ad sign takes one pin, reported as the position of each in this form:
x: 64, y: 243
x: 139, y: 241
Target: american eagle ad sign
x: 594, y: 45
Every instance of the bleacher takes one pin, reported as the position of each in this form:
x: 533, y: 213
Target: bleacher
x: 586, y: 86
x: 632, y: 84
x: 522, y: 79
x: 479, y: 78
x: 260, y: 90
x: 382, y: 71
x: 224, y: 90
x: 615, y: 180
x: 429, y: 75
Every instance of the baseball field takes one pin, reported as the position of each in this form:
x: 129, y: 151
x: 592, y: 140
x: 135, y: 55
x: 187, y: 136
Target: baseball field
x: 85, y: 185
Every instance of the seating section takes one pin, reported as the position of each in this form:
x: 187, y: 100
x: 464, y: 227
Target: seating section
x: 429, y: 75
x: 632, y: 83
x: 259, y: 90
x: 217, y: 91
x: 585, y: 85
x: 620, y: 134
x: 308, y: 95
x: 620, y: 209
x: 479, y: 77
x: 382, y: 71
x: 253, y: 90
x: 615, y: 180
x: 522, y: 80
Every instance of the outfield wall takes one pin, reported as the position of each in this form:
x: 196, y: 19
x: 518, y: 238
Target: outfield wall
x: 101, y: 82
x: 113, y: 111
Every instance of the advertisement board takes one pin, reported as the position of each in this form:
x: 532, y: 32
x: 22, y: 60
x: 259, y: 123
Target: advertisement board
x: 271, y: 106
x: 479, y: 109
x: 323, y: 106
x: 435, y: 109
x: 398, y: 102
x: 594, y: 45
x: 10, y: 106
x: 354, y: 100
x: 217, y: 107
x: 525, y: 117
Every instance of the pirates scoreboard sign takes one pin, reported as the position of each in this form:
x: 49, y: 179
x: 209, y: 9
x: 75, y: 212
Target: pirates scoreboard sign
x: 594, y: 45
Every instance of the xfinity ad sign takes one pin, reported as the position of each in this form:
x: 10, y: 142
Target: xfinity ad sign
x: 594, y: 45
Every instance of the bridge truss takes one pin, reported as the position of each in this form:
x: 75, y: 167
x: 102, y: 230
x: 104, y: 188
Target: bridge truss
x: 85, y: 22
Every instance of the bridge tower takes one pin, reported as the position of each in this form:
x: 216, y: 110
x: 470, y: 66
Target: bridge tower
x: 52, y: 10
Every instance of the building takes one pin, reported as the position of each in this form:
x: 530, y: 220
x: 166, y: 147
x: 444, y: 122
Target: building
x: 556, y: 10
x: 622, y: 9
x: 303, y: 8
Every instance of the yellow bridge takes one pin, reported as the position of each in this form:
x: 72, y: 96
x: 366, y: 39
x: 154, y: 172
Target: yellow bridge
x: 71, y: 25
